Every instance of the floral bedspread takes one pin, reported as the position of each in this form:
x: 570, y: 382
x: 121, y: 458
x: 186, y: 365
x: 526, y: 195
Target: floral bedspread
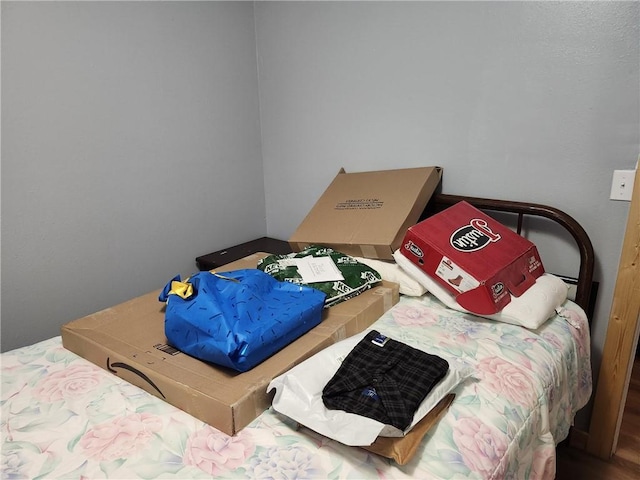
x: 63, y: 417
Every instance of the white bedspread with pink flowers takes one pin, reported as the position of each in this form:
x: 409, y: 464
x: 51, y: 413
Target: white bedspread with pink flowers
x: 63, y: 417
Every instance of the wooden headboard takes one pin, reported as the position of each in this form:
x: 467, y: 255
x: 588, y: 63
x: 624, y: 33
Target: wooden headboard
x: 585, y: 289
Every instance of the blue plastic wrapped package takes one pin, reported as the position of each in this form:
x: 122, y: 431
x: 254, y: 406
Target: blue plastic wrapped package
x: 239, y: 318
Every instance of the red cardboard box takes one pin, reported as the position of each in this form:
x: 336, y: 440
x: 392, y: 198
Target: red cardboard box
x: 477, y: 259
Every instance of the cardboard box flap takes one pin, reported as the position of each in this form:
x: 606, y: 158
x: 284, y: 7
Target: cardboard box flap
x: 517, y: 288
x: 367, y: 213
x: 482, y: 301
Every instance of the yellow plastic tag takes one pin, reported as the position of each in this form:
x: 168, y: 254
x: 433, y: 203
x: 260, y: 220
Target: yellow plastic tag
x: 182, y: 289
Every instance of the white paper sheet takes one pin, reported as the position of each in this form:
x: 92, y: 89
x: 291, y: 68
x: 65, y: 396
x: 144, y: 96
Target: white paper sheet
x: 318, y: 269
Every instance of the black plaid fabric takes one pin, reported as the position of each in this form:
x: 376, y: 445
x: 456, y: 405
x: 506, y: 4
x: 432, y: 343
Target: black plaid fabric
x: 384, y: 379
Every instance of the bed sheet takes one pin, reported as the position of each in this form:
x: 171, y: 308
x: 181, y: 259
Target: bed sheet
x: 63, y: 417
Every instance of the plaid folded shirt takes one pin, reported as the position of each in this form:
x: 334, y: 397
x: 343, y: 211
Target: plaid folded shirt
x: 384, y: 379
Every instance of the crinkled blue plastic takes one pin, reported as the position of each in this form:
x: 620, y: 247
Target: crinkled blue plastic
x: 240, y: 318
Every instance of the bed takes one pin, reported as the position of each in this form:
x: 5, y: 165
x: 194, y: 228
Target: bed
x: 63, y: 417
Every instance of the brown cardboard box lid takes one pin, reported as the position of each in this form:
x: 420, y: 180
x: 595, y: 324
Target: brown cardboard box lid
x: 128, y: 340
x: 366, y: 214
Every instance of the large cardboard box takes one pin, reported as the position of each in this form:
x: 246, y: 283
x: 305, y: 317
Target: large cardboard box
x: 474, y: 257
x: 366, y: 214
x: 129, y: 341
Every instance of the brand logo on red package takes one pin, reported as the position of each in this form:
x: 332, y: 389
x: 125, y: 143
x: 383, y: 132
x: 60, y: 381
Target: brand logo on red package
x: 473, y: 237
x: 498, y: 288
x: 413, y: 248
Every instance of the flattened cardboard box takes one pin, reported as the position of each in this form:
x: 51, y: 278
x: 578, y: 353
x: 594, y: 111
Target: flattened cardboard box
x: 129, y: 341
x: 474, y: 257
x: 366, y: 214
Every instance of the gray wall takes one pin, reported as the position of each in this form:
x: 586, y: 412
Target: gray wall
x: 131, y: 145
x: 531, y: 101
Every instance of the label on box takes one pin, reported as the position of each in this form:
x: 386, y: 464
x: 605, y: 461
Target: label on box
x: 360, y: 204
x: 455, y: 276
x: 534, y: 264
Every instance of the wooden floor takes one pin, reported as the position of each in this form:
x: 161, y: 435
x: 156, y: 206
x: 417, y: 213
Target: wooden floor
x: 625, y: 463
